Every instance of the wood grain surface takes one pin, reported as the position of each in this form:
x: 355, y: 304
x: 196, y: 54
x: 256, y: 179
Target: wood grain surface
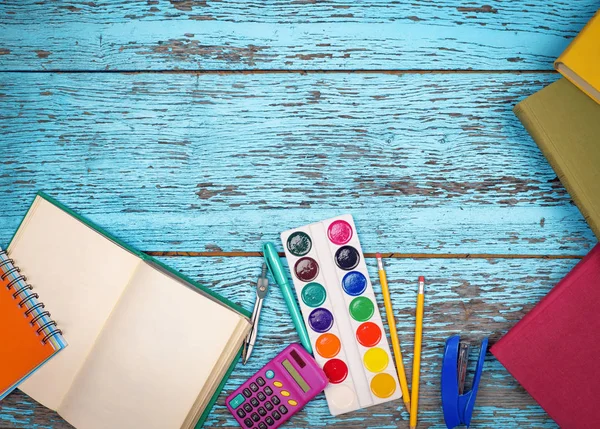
x: 474, y: 298
x: 196, y: 130
x: 291, y: 34
x: 426, y: 163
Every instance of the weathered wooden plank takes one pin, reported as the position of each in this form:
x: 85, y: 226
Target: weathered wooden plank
x: 509, y: 16
x: 475, y: 298
x: 426, y: 163
x: 307, y: 35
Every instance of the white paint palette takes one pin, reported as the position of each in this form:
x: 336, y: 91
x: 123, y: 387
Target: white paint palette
x: 341, y: 315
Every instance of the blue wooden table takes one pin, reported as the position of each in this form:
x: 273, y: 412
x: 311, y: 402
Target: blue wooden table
x: 198, y: 129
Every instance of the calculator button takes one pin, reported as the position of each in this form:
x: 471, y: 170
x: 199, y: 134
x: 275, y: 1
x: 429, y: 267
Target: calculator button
x: 248, y: 423
x: 254, y: 402
x: 241, y: 413
x: 262, y: 412
x: 236, y: 401
x: 247, y: 393
x: 277, y: 384
x: 253, y: 387
x: 261, y: 425
x: 269, y: 374
x: 282, y: 409
x: 276, y: 415
x: 275, y: 400
x: 283, y: 393
x: 255, y: 417
x: 270, y: 421
x: 260, y: 381
x: 261, y: 396
x: 268, y: 390
x: 292, y: 402
x: 247, y: 407
x: 268, y: 406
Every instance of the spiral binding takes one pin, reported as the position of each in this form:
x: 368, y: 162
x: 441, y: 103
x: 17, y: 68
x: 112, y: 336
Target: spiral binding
x: 48, y: 329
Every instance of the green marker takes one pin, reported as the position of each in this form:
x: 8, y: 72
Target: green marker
x: 276, y: 269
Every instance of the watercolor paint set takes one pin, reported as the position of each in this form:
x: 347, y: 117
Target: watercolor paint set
x: 341, y: 314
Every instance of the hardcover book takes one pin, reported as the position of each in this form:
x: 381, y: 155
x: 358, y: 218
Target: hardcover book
x: 565, y: 124
x: 553, y: 351
x: 580, y: 62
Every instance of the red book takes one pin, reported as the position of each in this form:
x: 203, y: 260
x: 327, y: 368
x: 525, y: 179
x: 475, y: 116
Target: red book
x: 554, y: 351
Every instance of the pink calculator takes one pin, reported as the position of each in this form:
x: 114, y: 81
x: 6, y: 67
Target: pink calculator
x: 278, y: 391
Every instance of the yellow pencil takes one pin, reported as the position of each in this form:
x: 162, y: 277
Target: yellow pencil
x: 416, y: 371
x: 393, y: 334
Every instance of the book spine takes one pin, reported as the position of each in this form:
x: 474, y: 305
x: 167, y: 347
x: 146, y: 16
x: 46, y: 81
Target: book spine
x: 33, y: 309
x: 546, y: 145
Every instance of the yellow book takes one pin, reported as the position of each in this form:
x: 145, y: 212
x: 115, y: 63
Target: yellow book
x: 580, y: 62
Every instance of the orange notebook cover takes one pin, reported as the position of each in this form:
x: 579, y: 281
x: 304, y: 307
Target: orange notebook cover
x: 28, y: 335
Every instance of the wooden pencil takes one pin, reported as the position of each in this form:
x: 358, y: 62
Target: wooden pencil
x: 416, y: 371
x: 393, y: 333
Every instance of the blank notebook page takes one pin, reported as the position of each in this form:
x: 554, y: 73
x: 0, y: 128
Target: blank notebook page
x: 153, y: 357
x: 80, y: 276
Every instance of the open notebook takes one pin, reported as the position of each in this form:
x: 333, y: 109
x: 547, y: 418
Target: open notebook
x: 147, y: 347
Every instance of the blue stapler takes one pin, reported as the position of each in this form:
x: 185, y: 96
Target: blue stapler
x: 456, y: 403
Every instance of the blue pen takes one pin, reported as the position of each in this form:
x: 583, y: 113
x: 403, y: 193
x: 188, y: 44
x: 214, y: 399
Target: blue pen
x: 278, y: 273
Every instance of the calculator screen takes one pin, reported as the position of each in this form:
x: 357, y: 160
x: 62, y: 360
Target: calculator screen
x: 296, y: 376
